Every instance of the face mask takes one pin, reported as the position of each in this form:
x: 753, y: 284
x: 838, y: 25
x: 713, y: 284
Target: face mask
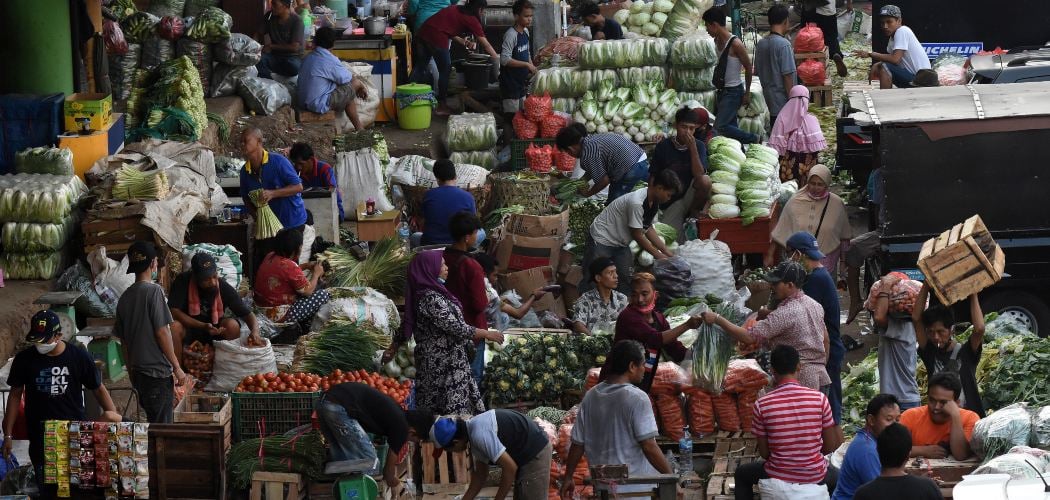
x: 45, y: 348
x: 648, y: 308
x: 153, y: 276
x: 441, y: 280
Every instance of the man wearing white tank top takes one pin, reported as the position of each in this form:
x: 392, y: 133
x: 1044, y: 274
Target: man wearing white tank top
x: 732, y: 92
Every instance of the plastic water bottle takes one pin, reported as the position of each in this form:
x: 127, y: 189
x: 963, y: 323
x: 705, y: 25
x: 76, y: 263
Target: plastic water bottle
x: 691, y: 232
x: 685, y: 453
x: 669, y: 456
x: 403, y: 234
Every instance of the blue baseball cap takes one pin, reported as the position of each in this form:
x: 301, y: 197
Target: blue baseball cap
x: 805, y: 243
x: 43, y: 326
x: 443, y: 431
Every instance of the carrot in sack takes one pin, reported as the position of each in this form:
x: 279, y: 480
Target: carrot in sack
x: 812, y: 72
x: 669, y: 409
x: 701, y: 411
x: 557, y: 471
x: 745, y: 405
x: 726, y: 412
x: 570, y: 418
x: 592, y: 378
x: 564, y: 441
x: 564, y: 162
x: 551, y: 124
x: 809, y: 39
x: 744, y: 375
x: 523, y: 127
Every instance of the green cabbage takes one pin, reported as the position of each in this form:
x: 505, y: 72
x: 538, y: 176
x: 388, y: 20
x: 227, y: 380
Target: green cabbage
x: 640, y: 6
x: 663, y: 6
x: 630, y: 111
x: 724, y: 177
x: 668, y: 233
x: 640, y: 18
x: 659, y: 18
x: 749, y: 214
x: 719, y: 161
x: 725, y: 199
x: 723, y: 211
x: 718, y: 142
x: 621, y: 16
x: 719, y: 188
x: 730, y: 152
x: 650, y: 29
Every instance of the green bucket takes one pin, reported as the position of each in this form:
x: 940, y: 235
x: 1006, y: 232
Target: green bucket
x: 359, y: 487
x: 415, y: 103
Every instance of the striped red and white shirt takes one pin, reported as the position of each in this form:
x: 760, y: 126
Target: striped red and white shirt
x: 791, y: 418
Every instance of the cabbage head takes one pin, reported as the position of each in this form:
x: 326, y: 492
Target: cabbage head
x: 719, y: 188
x: 724, y: 177
x: 719, y: 161
x: 725, y: 199
x: 723, y: 211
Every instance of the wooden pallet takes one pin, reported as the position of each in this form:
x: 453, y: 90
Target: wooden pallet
x: 705, y: 446
x: 449, y: 468
x: 277, y: 486
x: 820, y: 95
x: 802, y: 56
x: 962, y: 261
x: 729, y: 454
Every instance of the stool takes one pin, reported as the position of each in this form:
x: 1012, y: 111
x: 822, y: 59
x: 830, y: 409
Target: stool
x: 272, y: 486
x: 62, y: 302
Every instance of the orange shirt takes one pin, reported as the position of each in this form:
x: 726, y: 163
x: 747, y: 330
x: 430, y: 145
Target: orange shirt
x: 924, y: 432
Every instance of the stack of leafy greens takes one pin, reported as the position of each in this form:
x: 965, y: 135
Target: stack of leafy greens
x: 173, y: 105
x: 385, y: 269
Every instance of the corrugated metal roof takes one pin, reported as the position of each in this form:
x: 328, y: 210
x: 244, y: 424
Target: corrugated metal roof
x: 963, y: 102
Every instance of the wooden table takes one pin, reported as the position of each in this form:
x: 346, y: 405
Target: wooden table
x: 946, y: 472
x: 376, y: 227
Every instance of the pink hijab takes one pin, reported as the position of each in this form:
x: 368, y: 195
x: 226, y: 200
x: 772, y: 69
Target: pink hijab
x: 796, y: 129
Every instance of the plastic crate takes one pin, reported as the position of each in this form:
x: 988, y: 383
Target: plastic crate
x: 517, y: 151
x: 268, y: 414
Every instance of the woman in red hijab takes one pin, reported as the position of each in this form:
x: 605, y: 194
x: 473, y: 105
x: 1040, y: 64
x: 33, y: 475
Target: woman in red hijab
x: 641, y: 321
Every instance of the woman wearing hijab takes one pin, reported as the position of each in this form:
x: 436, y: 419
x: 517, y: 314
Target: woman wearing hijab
x: 444, y: 340
x: 817, y: 211
x: 641, y: 321
x: 797, y: 137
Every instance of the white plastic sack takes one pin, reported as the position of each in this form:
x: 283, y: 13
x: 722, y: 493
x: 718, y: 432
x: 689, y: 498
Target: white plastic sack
x: 109, y: 273
x: 710, y: 262
x: 414, y: 170
x: 309, y: 235
x: 360, y: 176
x: 366, y: 108
x: 234, y: 360
x: 227, y: 260
x: 368, y: 305
x: 775, y: 489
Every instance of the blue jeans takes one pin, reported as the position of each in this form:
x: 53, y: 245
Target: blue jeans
x: 834, y: 367
x: 621, y: 256
x: 477, y: 365
x: 729, y: 101
x: 416, y: 239
x: 638, y: 173
x: 442, y: 58
x: 346, y: 439
x: 907, y: 406
x: 281, y: 64
x: 902, y: 78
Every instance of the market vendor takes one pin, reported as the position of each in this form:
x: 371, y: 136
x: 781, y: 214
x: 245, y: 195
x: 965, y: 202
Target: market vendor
x: 820, y: 287
x: 281, y: 188
x: 315, y: 173
x: 861, y: 463
x: 941, y: 426
x: 282, y: 41
x: 939, y: 350
x: 516, y: 58
x: 348, y: 412
x: 686, y: 156
x: 598, y: 308
x: 198, y: 300
x: 641, y: 322
x: 609, y: 160
x: 436, y: 36
x: 282, y: 290
x: 798, y: 321
x: 49, y: 378
x: 440, y: 204
x: 705, y: 129
x: 904, y: 55
x: 506, y: 438
x: 602, y: 28
x: 326, y: 84
x: 629, y: 218
x: 500, y: 311
x: 817, y: 211
x: 615, y: 424
x: 794, y: 428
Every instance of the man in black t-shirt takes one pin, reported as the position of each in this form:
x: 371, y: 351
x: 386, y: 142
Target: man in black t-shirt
x: 939, y: 350
x: 602, y: 28
x: 51, y: 376
x: 894, y: 446
x: 198, y: 300
x: 350, y: 410
x: 686, y: 156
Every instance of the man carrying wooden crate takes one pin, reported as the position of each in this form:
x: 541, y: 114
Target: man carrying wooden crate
x: 939, y: 350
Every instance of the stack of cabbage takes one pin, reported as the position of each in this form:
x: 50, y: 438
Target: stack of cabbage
x: 685, y: 18
x: 645, y: 18
x: 635, y: 60
x: 724, y: 160
x: 638, y: 113
x: 693, y: 61
x: 754, y: 117
x: 670, y: 237
x: 570, y: 82
x: 759, y: 182
x: 471, y: 138
x: 37, y: 212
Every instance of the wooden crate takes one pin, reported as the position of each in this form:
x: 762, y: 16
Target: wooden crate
x: 277, y: 486
x: 449, y: 468
x: 802, y: 56
x: 753, y: 238
x: 197, y: 409
x: 820, y: 95
x: 962, y: 261
x: 945, y: 472
x: 187, y: 461
x: 730, y: 453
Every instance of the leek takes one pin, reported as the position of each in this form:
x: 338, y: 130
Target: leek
x: 267, y: 225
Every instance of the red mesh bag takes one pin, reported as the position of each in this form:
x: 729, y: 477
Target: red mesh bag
x: 668, y: 409
x: 745, y: 405
x: 564, y: 162
x: 114, y: 38
x: 551, y: 124
x: 538, y: 158
x: 592, y: 377
x: 743, y: 376
x: 902, y: 296
x: 812, y: 72
x: 726, y: 412
x: 523, y: 127
x: 171, y: 28
x: 809, y: 39
x: 538, y: 107
x: 701, y: 411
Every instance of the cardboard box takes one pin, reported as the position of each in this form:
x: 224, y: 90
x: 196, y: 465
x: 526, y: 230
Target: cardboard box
x: 96, y: 107
x: 525, y: 282
x: 520, y: 253
x: 538, y: 225
x: 570, y: 286
x: 87, y: 149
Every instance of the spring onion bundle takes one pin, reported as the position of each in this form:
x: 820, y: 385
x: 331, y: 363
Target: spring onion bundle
x: 568, y: 191
x: 712, y: 350
x: 495, y: 217
x: 267, y: 224
x: 134, y: 184
x: 385, y: 269
x: 343, y: 344
x: 299, y: 453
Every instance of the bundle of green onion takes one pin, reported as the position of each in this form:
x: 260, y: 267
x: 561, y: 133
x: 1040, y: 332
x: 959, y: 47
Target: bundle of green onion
x: 385, y: 269
x: 343, y: 344
x: 134, y: 184
x: 266, y: 222
x: 300, y: 453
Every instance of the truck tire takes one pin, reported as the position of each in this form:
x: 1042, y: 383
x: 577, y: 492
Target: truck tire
x: 1031, y: 309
